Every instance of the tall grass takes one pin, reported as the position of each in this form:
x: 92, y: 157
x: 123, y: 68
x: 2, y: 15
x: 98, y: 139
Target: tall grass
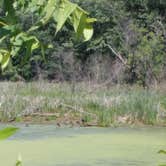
x: 85, y: 104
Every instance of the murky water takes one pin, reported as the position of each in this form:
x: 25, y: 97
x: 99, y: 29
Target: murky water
x: 51, y: 146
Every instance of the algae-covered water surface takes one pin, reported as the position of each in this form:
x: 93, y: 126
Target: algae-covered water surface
x: 51, y: 146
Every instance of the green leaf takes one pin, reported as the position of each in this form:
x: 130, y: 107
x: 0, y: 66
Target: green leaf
x: 162, y: 152
x: 1, y: 57
x: 82, y: 24
x: 88, y: 32
x: 91, y: 20
x: 48, y: 10
x: 4, y: 32
x: 65, y: 9
x: 5, y: 58
x: 10, y: 11
x: 2, y: 22
x: 25, y: 41
x: 76, y: 18
x: 9, y: 30
x: 30, y: 43
x: 7, y: 132
x: 19, y: 161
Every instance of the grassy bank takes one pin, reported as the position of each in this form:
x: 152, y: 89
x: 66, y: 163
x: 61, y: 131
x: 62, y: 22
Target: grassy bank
x: 83, y: 104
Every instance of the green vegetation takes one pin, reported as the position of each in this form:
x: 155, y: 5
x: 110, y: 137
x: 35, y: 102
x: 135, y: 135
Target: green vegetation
x: 19, y: 161
x: 162, y: 152
x: 116, y: 78
x: 16, y: 40
x: 86, y: 105
x: 7, y: 132
x: 128, y: 45
x: 85, y: 146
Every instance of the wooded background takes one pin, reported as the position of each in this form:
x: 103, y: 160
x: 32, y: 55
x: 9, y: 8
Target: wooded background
x: 128, y: 46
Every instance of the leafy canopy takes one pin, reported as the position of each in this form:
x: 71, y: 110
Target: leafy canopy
x: 14, y: 39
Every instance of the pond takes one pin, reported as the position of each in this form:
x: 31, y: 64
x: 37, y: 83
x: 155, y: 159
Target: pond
x: 41, y: 145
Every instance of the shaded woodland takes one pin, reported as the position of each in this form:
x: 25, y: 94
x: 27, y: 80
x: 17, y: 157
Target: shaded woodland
x: 128, y: 46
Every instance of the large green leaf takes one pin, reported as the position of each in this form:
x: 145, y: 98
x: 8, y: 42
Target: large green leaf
x: 7, y: 132
x: 64, y: 10
x: 75, y: 18
x: 82, y: 24
x: 48, y: 11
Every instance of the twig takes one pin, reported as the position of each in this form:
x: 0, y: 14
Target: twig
x: 80, y: 110
x: 45, y: 114
x: 118, y: 55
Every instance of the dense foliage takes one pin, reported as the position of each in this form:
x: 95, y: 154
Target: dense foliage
x: 128, y: 45
x: 19, y: 41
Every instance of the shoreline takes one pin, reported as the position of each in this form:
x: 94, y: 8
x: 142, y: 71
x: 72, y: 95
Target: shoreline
x: 46, y: 103
x: 25, y: 124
